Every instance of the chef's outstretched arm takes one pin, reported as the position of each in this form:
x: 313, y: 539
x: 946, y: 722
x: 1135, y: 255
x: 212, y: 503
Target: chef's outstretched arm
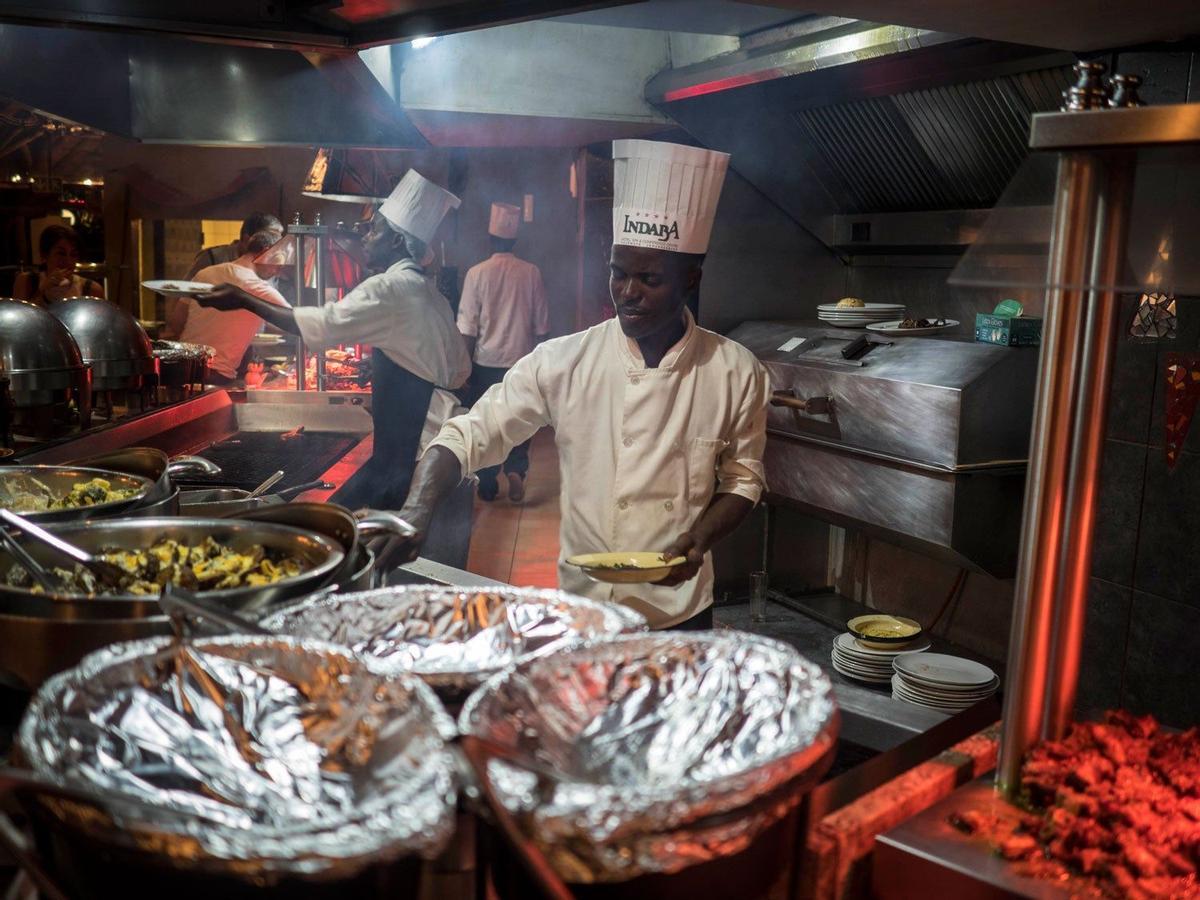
x: 436, y: 475
x: 229, y: 297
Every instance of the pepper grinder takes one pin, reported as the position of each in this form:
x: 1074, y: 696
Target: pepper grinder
x: 1125, y: 91
x: 1089, y: 90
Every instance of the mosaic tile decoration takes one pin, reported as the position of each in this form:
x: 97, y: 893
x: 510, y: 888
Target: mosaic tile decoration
x: 1155, y: 317
x: 1183, y: 393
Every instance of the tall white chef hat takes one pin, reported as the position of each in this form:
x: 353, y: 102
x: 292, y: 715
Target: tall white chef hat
x: 417, y: 206
x: 505, y: 221
x: 665, y: 195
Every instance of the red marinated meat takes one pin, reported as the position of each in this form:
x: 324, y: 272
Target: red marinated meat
x: 1114, y: 806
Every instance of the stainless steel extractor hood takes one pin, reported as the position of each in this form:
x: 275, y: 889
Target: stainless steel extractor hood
x: 852, y: 128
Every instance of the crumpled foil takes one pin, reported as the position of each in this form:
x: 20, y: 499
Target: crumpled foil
x: 650, y: 753
x: 179, y: 351
x: 262, y: 756
x: 454, y: 637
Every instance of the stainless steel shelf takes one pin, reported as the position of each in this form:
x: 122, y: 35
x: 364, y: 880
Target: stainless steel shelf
x: 1143, y: 126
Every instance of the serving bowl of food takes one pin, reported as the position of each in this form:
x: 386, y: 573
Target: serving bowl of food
x: 245, y: 566
x: 626, y: 567
x: 884, y: 632
x: 66, y: 493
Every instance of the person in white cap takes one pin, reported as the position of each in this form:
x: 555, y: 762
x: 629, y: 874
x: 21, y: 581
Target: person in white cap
x: 418, y: 356
x: 660, y: 424
x: 503, y: 316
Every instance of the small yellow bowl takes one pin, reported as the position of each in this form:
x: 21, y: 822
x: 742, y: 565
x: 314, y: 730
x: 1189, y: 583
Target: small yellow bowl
x: 632, y: 567
x: 883, y: 632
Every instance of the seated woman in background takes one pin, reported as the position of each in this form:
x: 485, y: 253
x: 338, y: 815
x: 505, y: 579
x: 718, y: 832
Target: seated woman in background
x: 57, y: 279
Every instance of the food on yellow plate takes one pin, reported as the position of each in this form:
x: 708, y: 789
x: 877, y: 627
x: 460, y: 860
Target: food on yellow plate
x: 850, y: 303
x: 208, y: 566
x: 31, y: 495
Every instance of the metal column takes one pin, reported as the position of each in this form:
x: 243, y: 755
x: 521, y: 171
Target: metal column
x: 1090, y: 212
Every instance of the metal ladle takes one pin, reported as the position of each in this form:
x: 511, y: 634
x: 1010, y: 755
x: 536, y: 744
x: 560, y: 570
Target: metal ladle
x: 106, y: 572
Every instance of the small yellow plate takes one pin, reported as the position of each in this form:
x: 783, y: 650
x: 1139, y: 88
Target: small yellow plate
x: 633, y: 567
x: 883, y: 632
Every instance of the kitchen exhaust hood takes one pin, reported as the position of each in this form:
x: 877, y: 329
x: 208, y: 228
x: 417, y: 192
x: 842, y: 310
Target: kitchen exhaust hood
x: 876, y: 138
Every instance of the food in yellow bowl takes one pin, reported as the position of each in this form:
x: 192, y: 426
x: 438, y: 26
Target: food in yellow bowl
x: 883, y: 632
x: 850, y: 303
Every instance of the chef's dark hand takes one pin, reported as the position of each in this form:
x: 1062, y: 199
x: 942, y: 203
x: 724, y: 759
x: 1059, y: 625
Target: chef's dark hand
x: 392, y: 550
x: 688, y: 546
x: 224, y: 298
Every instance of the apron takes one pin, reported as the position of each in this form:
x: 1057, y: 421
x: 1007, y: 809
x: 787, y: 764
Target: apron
x: 399, y: 407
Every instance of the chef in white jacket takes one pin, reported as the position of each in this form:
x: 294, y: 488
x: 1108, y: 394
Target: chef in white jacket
x: 418, y: 355
x: 660, y: 424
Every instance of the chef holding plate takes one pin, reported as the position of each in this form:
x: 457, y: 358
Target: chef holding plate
x: 660, y: 424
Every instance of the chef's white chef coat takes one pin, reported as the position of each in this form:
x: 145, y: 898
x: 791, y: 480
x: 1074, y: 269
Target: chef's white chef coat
x: 401, y: 313
x: 641, y: 451
x: 503, y: 306
x: 228, y: 333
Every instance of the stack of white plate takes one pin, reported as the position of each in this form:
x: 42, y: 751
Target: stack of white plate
x: 941, y: 682
x: 854, y: 660
x: 859, y: 316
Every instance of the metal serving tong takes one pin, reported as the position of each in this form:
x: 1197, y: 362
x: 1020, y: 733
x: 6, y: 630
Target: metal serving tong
x: 106, y: 572
x: 180, y: 603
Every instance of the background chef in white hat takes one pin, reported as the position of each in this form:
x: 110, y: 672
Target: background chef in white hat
x: 418, y: 354
x: 503, y: 316
x: 660, y: 424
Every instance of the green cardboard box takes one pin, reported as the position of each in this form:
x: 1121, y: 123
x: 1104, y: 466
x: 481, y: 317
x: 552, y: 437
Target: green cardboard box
x: 1007, y: 327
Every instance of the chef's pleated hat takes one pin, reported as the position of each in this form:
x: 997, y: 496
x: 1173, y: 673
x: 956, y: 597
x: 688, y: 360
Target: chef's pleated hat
x: 665, y: 195
x: 505, y: 220
x: 417, y: 206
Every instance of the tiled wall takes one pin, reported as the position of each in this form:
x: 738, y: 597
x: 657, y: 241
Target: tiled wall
x: 1144, y: 601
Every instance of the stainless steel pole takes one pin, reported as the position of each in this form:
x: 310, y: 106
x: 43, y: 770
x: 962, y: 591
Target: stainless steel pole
x: 320, y: 238
x: 1039, y: 574
x: 299, y: 302
x: 1087, y: 439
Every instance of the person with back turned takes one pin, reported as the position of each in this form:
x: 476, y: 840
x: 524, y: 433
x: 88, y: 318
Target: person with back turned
x: 503, y: 316
x: 660, y: 425
x: 418, y: 355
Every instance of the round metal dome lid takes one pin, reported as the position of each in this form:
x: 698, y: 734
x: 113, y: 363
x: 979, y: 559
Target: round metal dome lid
x: 103, y: 331
x: 32, y: 340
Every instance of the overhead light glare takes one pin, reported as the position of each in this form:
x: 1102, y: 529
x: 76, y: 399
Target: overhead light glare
x: 418, y: 43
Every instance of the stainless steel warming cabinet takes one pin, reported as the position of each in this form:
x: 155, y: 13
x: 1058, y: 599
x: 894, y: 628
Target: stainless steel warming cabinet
x: 921, y: 442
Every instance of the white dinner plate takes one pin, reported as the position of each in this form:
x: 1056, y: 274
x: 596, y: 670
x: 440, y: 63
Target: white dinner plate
x: 903, y: 689
x: 833, y: 307
x: 175, y: 287
x: 922, y: 690
x: 847, y: 644
x: 860, y: 676
x: 893, y: 329
x: 942, y: 669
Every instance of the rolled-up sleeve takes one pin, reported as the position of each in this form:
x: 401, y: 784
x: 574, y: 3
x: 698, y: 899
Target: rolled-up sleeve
x: 740, y: 468
x: 359, y: 317
x: 510, y: 413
